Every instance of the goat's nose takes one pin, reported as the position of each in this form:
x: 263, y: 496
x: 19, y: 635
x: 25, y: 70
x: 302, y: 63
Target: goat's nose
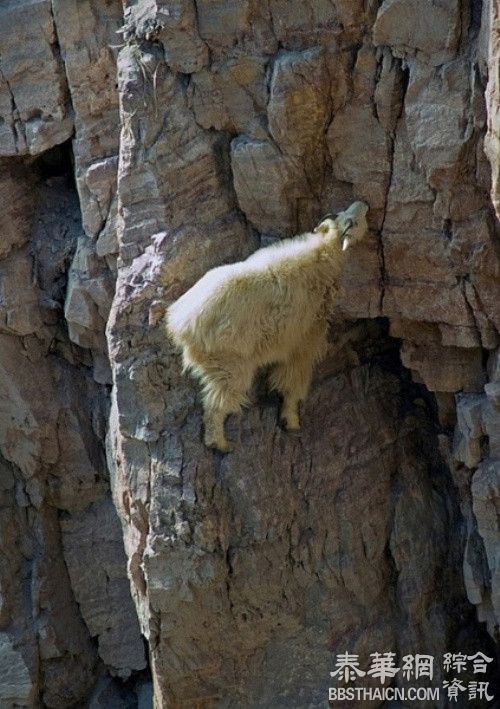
x: 358, y: 208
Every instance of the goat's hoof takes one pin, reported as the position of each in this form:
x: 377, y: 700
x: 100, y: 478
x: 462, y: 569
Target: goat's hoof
x: 292, y: 427
x: 223, y: 446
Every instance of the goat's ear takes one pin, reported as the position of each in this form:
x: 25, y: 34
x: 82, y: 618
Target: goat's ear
x: 321, y: 229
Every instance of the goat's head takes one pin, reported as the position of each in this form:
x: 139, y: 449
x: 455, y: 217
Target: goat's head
x: 350, y: 225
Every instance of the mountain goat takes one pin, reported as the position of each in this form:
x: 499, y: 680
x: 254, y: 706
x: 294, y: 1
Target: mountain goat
x: 268, y: 310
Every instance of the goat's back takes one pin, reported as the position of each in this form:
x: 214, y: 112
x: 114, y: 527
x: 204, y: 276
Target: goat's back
x: 242, y: 306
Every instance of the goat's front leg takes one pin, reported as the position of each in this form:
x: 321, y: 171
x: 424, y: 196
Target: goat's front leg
x: 214, y: 436
x: 293, y: 377
x: 290, y: 411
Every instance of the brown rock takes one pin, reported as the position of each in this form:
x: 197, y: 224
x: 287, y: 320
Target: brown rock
x: 232, y: 124
x: 437, y: 120
x: 298, y: 107
x: 353, y: 134
x: 232, y: 96
x: 267, y: 185
x: 428, y: 29
x: 16, y: 206
x: 297, y: 24
x: 226, y: 23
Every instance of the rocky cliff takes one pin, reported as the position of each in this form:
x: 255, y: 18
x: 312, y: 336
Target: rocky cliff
x: 143, y: 143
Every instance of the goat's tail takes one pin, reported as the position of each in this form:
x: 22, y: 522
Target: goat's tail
x: 182, y: 318
x: 177, y: 324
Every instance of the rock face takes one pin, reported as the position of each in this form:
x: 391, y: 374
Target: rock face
x: 66, y: 614
x: 142, y: 143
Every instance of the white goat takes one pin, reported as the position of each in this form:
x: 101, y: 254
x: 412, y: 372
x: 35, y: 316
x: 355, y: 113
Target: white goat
x: 269, y: 309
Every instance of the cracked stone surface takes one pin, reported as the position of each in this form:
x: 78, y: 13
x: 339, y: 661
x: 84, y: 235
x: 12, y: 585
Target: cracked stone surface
x: 323, y: 103
x: 142, y: 143
x: 34, y: 100
x: 64, y: 612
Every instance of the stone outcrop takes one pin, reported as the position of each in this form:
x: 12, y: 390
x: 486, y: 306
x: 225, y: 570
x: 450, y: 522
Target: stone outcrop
x: 34, y: 97
x: 142, y: 143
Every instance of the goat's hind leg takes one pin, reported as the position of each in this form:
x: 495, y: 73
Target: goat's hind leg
x: 225, y: 383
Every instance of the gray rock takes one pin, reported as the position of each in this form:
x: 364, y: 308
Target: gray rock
x: 469, y: 430
x: 93, y: 551
x: 34, y: 108
x: 145, y: 696
x: 494, y: 366
x: 52, y: 418
x: 109, y: 694
x: 492, y: 390
x: 491, y: 23
x: 486, y: 504
x: 17, y: 687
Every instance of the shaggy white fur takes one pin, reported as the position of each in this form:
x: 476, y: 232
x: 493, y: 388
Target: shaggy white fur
x: 269, y: 309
